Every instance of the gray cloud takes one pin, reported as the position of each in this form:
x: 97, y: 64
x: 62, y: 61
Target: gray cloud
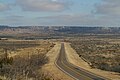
x: 109, y: 7
x: 19, y: 20
x: 15, y: 18
x: 106, y: 14
x: 4, y: 7
x: 81, y: 19
x: 42, y: 5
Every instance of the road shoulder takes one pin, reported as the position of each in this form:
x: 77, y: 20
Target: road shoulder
x: 51, y: 68
x: 74, y: 58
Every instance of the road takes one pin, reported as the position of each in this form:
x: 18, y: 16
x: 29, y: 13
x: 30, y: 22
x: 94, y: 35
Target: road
x: 75, y: 72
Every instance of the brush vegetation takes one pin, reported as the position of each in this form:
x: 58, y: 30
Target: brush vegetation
x: 99, y: 53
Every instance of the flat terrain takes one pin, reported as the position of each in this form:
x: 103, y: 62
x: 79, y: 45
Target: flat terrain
x: 72, y: 70
x: 31, y: 52
x: 25, y: 60
x: 50, y: 67
x: 99, y: 53
x: 74, y: 58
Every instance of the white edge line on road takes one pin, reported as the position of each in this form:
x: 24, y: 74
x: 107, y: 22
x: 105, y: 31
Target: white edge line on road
x: 65, y: 71
x: 85, y: 70
x: 62, y: 69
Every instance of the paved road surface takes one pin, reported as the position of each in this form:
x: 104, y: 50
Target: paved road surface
x: 75, y: 72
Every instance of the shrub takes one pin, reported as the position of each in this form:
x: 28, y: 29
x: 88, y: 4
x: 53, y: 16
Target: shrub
x: 24, y: 67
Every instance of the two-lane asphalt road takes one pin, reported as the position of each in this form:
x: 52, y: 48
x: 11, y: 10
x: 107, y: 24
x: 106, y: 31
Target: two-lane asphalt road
x: 72, y: 70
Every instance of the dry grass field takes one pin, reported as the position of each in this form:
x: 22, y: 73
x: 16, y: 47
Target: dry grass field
x: 51, y: 67
x: 100, y: 53
x: 73, y: 57
x: 23, y: 59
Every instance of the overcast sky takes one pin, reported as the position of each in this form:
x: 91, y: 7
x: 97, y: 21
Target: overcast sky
x: 60, y: 12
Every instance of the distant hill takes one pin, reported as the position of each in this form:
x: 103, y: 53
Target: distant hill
x: 46, y: 31
x: 90, y: 30
x: 22, y: 29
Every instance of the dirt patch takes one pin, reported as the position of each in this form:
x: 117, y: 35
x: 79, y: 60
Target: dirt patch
x: 51, y: 67
x: 74, y: 58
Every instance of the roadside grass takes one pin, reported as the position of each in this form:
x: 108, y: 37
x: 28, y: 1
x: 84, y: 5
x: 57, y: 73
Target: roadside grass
x: 101, y: 54
x: 28, y: 66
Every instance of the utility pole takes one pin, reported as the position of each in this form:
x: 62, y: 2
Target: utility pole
x: 6, y: 53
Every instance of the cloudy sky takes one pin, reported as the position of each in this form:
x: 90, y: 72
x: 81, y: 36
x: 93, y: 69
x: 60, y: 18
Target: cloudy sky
x: 60, y: 12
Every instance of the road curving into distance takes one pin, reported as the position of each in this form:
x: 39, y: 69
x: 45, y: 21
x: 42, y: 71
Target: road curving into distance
x: 75, y: 72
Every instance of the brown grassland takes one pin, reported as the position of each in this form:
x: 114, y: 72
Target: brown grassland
x: 99, y: 53
x: 23, y: 59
